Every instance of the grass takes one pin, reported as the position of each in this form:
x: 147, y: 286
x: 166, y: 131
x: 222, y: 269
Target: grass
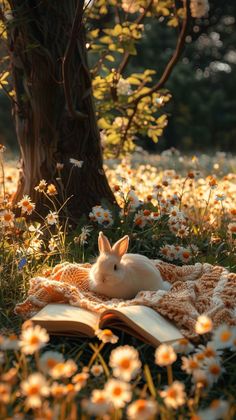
x: 203, y: 189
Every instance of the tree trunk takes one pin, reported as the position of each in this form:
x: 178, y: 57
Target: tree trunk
x: 48, y: 131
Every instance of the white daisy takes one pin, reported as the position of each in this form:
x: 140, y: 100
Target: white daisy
x: 118, y: 392
x: 203, y: 325
x: 224, y: 336
x: 213, y: 368
x: 49, y: 360
x: 34, y: 388
x: 106, y: 336
x: 209, y: 350
x: 190, y: 364
x: 201, y: 377
x: 7, y: 218
x: 124, y: 361
x: 165, y: 355
x: 78, y: 163
x: 64, y: 369
x: 33, y: 339
x: 97, y: 370
x: 142, y: 410
x: 217, y: 410
x: 99, y: 403
x: 10, y: 343
x: 52, y: 218
x: 183, y: 346
x: 174, y: 396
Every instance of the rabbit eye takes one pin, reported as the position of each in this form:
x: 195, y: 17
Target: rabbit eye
x: 115, y: 267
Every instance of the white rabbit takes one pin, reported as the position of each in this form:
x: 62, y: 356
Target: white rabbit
x: 119, y: 275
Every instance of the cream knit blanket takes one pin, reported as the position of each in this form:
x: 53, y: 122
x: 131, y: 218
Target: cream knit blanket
x: 196, y: 289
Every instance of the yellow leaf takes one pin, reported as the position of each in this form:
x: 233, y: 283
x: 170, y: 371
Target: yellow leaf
x: 133, y: 80
x: 105, y: 39
x: 110, y: 58
x: 117, y: 30
x: 112, y: 47
x: 173, y: 22
x: 94, y: 33
x: 102, y: 123
x: 3, y: 77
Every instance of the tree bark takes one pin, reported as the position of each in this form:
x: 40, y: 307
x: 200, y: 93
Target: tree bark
x: 48, y: 131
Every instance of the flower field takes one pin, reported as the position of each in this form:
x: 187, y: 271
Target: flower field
x: 181, y: 209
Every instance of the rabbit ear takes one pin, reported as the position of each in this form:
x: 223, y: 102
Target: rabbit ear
x: 103, y: 243
x: 121, y: 246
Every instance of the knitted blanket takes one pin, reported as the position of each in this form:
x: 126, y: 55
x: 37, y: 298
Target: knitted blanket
x: 196, y: 289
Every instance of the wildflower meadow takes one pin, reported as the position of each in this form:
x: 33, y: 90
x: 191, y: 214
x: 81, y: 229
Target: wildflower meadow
x: 181, y: 208
x: 118, y: 122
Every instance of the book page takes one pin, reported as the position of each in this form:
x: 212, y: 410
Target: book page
x: 152, y: 326
x: 67, y: 319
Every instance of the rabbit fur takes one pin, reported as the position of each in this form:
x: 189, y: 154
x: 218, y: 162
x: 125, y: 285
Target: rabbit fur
x: 119, y: 275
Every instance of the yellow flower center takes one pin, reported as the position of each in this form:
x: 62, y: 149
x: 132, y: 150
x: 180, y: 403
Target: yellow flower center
x: 100, y: 399
x: 117, y: 391
x: 165, y: 356
x: 34, y: 389
x: 225, y: 335
x: 125, y: 363
x: 34, y: 340
x: 7, y: 217
x: 209, y: 352
x: 183, y: 341
x: 107, y: 333
x: 215, y: 404
x: 58, y: 391
x: 51, y: 363
x: 30, y: 207
x: 215, y: 369
x: 81, y: 378
x: 171, y: 393
x: 140, y: 405
x: 200, y: 356
x: 193, y: 364
x: 59, y: 367
x: 70, y: 387
x: 12, y: 337
x: 25, y: 203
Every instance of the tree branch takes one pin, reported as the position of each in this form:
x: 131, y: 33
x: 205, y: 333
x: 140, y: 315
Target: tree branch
x: 165, y: 75
x: 126, y: 56
x: 175, y: 57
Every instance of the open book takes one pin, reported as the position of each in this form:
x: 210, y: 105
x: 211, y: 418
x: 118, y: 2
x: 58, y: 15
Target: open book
x: 139, y: 321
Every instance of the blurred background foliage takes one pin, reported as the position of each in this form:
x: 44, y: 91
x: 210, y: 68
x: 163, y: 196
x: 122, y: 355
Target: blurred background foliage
x: 201, y: 114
